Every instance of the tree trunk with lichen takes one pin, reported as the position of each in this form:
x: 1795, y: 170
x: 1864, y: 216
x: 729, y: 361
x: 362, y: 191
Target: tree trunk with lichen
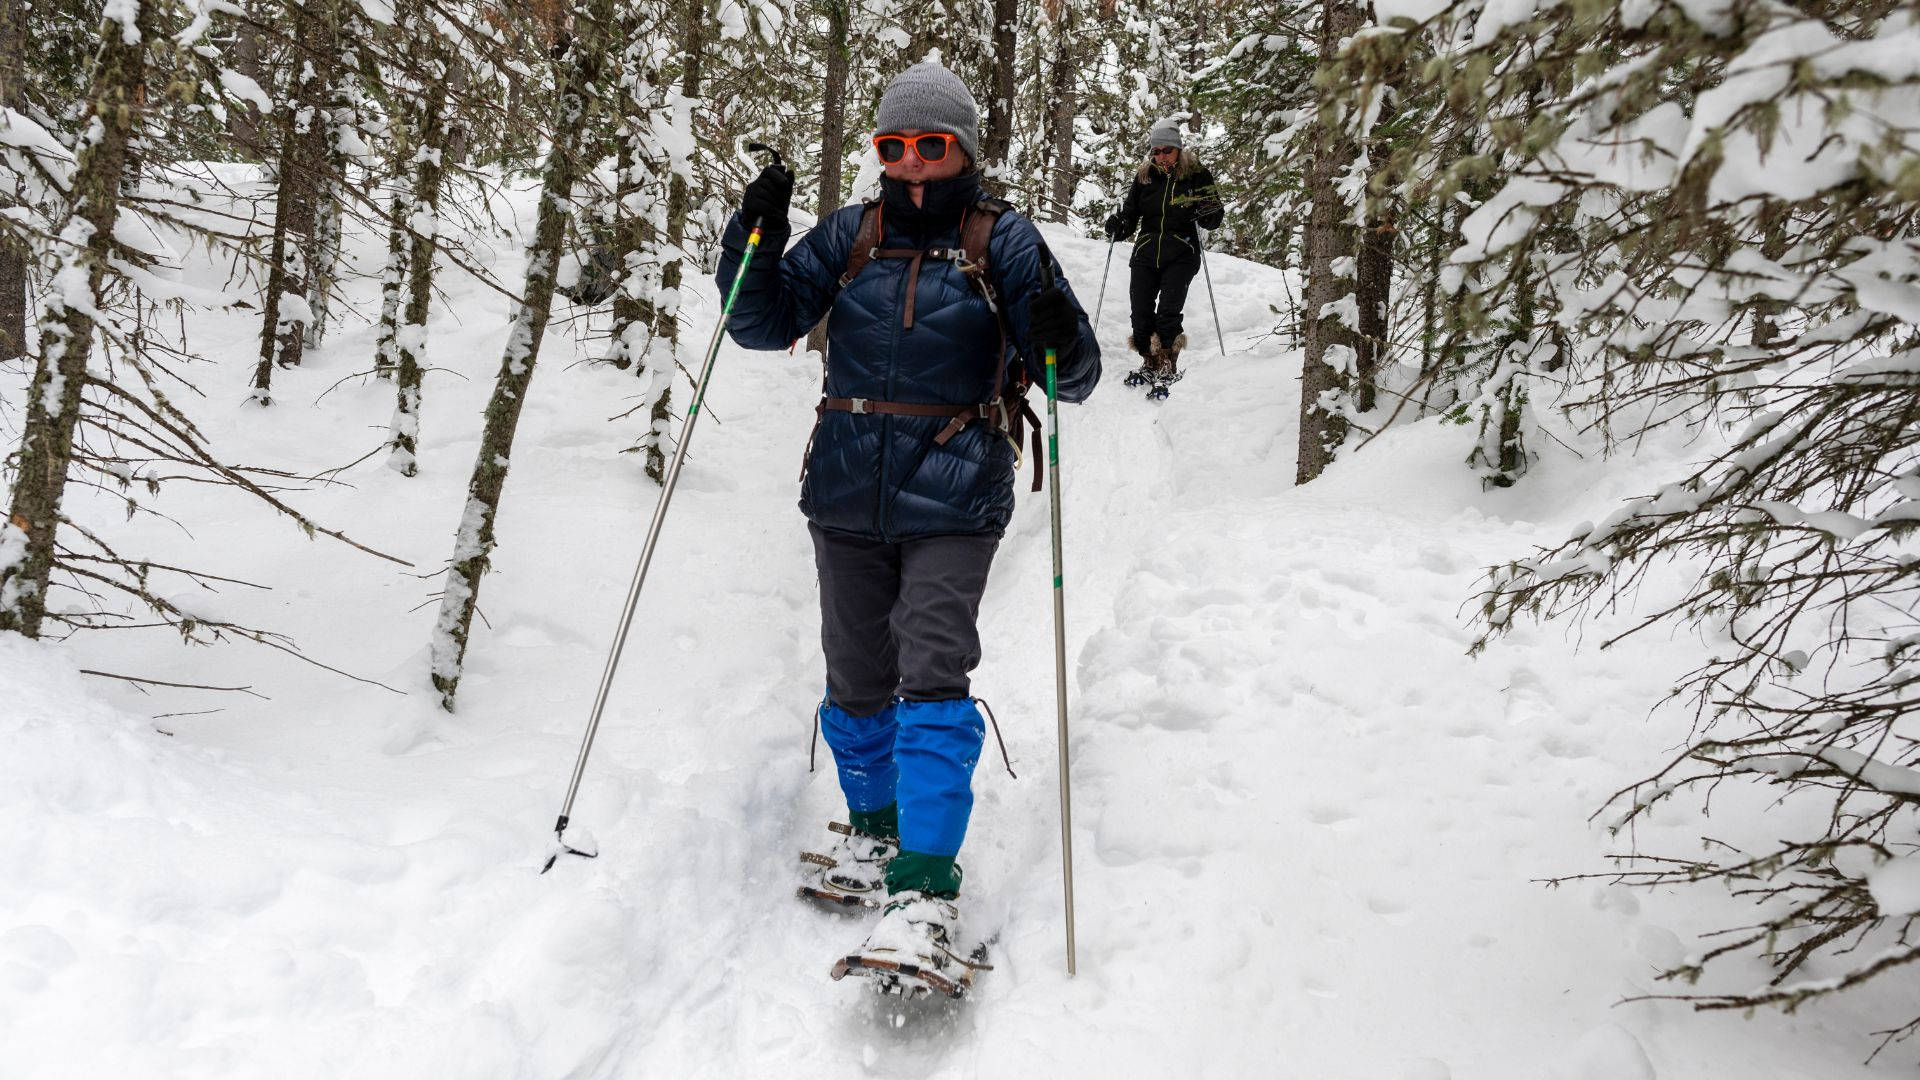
x: 393, y: 283
x: 1331, y: 346
x: 115, y: 103
x: 423, y: 230
x: 579, y: 79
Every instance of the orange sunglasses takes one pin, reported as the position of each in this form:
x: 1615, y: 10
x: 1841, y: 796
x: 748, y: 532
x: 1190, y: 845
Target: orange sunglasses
x: 931, y: 148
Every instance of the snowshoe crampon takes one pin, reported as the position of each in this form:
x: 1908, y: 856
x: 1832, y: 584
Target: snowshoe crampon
x: 912, y: 951
x: 851, y: 876
x: 913, y: 976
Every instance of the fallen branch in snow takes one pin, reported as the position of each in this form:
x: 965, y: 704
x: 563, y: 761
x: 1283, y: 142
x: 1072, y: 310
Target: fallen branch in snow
x: 248, y: 690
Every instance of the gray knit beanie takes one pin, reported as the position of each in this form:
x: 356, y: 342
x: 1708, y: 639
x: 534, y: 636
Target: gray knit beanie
x: 1165, y: 133
x: 928, y: 97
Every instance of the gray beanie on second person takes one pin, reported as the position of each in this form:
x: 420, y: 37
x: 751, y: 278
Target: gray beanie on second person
x: 928, y: 97
x: 1165, y: 133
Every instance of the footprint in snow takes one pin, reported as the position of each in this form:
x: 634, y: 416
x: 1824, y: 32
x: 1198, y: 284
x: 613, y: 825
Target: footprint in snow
x: 1329, y: 815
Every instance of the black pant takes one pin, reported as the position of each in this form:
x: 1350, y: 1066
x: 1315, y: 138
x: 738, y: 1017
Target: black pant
x: 1168, y: 284
x: 900, y: 619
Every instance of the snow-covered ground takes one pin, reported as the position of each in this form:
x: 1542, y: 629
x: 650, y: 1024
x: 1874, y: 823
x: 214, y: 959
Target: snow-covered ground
x: 1310, y: 831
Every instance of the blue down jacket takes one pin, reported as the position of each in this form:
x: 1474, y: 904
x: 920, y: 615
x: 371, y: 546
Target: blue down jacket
x: 881, y: 476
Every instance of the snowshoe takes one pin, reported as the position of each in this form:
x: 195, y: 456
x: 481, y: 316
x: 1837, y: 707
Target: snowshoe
x: 1158, y: 391
x: 1140, y: 376
x: 913, y: 950
x: 852, y: 874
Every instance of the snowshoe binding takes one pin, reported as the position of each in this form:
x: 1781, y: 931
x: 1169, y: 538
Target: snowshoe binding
x: 914, y: 950
x: 852, y: 874
x: 1143, y: 374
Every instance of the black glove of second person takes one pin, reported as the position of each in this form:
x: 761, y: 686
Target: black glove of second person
x: 1117, y: 228
x: 1052, y: 321
x: 768, y: 197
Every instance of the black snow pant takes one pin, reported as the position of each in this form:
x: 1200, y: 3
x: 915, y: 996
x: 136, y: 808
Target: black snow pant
x: 1159, y: 295
x: 900, y: 619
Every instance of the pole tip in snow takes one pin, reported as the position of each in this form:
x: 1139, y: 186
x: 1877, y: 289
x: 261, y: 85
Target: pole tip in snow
x: 580, y: 842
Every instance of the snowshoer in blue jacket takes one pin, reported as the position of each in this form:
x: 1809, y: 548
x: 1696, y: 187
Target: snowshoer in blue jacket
x: 910, y: 472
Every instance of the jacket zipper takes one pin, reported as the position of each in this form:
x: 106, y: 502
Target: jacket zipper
x: 1160, y: 239
x: 882, y: 502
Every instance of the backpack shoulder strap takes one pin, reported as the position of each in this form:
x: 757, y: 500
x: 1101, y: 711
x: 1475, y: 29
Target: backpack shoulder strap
x: 865, y: 240
x: 977, y: 235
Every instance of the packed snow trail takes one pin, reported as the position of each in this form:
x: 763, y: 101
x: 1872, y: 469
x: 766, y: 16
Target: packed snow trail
x: 1309, y: 830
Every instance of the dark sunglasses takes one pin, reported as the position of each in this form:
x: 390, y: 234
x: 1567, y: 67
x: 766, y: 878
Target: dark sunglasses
x: 1159, y: 150
x: 931, y: 148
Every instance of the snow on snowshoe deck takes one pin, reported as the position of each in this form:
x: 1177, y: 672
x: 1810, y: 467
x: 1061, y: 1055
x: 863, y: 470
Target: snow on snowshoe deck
x: 893, y: 972
x: 820, y: 888
x: 826, y: 895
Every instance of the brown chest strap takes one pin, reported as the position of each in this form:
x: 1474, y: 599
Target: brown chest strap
x: 1008, y: 414
x: 976, y: 241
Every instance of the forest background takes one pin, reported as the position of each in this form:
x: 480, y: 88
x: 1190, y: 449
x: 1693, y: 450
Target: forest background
x: 1505, y: 215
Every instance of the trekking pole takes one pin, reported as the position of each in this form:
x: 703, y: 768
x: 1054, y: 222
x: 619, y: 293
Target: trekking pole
x: 588, y: 850
x: 1102, y: 302
x: 1211, y: 302
x: 1059, y: 619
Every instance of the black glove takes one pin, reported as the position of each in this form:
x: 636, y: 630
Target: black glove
x: 1117, y: 228
x: 1052, y: 322
x: 768, y: 197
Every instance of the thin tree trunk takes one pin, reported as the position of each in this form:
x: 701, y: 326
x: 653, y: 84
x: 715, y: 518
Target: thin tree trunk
x: 303, y: 158
x: 243, y: 118
x: 1060, y: 117
x: 997, y: 141
x: 1501, y: 454
x: 666, y: 324
x: 423, y: 227
x: 1372, y: 283
x: 1331, y: 346
x: 458, y: 140
x: 116, y: 98
x: 833, y: 130
x: 579, y: 79
x: 393, y: 283
x: 1773, y: 245
x: 326, y: 253
x: 13, y: 294
x: 13, y: 255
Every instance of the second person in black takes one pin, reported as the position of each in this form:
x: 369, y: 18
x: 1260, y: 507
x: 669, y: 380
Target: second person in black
x: 1171, y: 195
